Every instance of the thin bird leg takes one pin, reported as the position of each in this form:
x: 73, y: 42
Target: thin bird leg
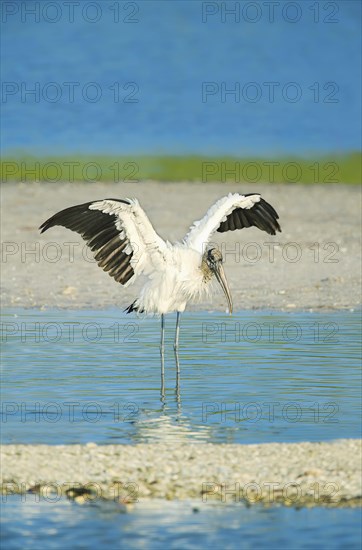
x: 162, y: 351
x: 162, y: 343
x: 162, y: 377
x: 177, y: 377
x: 175, y: 347
x: 177, y: 333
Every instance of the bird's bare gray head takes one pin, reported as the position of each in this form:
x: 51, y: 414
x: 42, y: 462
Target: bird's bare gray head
x: 212, y: 264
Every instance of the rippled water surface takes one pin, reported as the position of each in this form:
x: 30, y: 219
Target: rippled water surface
x: 80, y: 376
x: 182, y: 525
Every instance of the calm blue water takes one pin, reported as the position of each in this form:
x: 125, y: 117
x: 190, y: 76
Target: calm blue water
x: 80, y: 376
x: 60, y: 525
x: 131, y: 80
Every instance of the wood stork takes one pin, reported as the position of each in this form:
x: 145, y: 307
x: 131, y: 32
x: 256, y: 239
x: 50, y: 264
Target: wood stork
x: 127, y: 246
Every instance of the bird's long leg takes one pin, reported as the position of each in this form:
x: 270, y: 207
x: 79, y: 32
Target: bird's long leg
x: 175, y: 347
x: 162, y: 352
x: 177, y: 332
x: 177, y: 376
x: 162, y: 343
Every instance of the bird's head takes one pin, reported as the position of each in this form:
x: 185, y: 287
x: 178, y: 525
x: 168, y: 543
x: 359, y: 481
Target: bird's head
x: 213, y: 260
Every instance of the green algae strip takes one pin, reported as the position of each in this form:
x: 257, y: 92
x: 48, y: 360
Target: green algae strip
x: 331, y: 169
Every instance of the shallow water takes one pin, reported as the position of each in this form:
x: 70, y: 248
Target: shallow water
x: 80, y: 376
x: 154, y: 526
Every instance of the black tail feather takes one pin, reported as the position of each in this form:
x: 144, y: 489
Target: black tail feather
x: 133, y: 307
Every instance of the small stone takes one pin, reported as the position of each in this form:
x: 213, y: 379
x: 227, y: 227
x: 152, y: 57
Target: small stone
x: 69, y: 290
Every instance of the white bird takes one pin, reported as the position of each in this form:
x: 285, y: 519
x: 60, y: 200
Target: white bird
x: 127, y: 246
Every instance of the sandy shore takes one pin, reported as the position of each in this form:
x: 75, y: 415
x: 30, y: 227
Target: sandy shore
x: 303, y: 474
x: 313, y: 264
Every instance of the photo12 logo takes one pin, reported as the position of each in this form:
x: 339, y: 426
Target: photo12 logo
x: 269, y: 92
x: 270, y: 12
x: 269, y: 492
x: 69, y: 92
x: 69, y: 11
x: 70, y: 171
x: 68, y: 411
x: 124, y: 492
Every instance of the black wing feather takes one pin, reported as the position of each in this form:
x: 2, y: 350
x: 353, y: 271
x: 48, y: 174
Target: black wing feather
x: 99, y: 231
x: 262, y: 215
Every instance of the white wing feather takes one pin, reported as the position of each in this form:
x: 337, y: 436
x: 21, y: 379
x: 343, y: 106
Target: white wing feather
x: 149, y: 249
x: 201, y: 231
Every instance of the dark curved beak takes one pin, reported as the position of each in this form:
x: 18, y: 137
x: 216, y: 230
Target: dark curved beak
x: 220, y: 276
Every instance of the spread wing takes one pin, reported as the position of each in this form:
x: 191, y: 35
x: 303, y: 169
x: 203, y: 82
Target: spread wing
x: 230, y: 213
x: 119, y: 233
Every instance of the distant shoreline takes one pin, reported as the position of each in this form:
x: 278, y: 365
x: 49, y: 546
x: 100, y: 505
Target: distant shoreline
x: 327, y: 169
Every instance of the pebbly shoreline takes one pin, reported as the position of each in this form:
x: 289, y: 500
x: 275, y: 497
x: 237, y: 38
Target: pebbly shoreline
x: 294, y: 474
